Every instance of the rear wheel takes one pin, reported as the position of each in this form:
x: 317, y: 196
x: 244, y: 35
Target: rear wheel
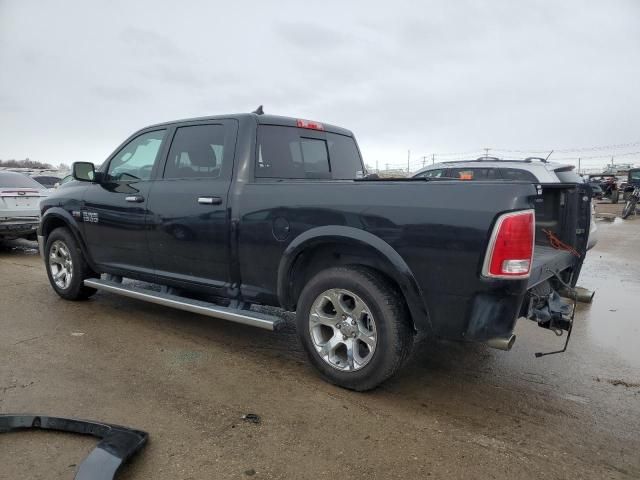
x: 629, y: 208
x: 354, y: 327
x: 66, y: 266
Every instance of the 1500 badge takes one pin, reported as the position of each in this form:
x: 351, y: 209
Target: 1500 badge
x: 90, y: 217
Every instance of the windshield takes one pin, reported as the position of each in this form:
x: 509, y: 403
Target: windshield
x: 17, y: 180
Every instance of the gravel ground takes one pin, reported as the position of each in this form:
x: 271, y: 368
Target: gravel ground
x: 455, y: 411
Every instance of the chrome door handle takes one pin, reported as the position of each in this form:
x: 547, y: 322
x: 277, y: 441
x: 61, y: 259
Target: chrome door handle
x: 134, y: 198
x: 209, y: 200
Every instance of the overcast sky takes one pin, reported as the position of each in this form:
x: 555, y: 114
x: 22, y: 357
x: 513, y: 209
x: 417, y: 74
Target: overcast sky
x: 77, y: 77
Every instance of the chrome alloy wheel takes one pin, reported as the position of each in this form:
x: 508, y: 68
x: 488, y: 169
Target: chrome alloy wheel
x: 60, y: 264
x: 342, y: 329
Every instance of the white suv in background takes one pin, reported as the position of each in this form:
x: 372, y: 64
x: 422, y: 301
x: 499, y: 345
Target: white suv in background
x: 532, y: 169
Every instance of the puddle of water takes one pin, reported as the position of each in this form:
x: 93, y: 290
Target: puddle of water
x: 612, y: 269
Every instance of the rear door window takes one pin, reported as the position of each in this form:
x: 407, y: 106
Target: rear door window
x: 197, y: 151
x: 295, y: 153
x: 465, y: 173
x: 516, y: 174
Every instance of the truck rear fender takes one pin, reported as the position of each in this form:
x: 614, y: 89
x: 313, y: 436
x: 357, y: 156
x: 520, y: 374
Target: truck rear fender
x: 355, y: 247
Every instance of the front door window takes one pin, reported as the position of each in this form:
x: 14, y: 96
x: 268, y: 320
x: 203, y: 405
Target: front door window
x: 135, y: 161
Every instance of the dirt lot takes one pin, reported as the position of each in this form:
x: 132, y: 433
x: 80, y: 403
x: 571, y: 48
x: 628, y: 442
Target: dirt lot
x: 455, y: 411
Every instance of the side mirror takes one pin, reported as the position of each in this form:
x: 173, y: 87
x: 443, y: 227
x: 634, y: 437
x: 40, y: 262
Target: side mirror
x: 83, y: 171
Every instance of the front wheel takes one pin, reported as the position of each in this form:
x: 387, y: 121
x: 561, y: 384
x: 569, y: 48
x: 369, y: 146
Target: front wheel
x: 629, y: 208
x: 66, y: 266
x: 354, y: 327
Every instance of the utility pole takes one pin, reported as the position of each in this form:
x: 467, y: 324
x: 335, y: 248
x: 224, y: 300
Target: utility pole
x: 578, y: 165
x: 408, y: 159
x: 424, y: 160
x: 377, y: 171
x: 433, y: 159
x: 486, y: 152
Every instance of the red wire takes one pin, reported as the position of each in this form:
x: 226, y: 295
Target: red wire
x: 559, y: 244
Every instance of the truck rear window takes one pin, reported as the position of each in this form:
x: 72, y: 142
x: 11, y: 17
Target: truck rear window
x: 296, y: 153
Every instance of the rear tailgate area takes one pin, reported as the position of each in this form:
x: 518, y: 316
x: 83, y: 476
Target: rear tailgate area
x: 564, y: 210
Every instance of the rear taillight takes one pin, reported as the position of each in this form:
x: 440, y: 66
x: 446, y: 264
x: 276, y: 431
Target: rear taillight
x: 510, y: 250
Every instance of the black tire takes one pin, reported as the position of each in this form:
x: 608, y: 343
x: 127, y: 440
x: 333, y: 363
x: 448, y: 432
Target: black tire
x: 75, y: 290
x: 629, y: 208
x: 393, y: 330
x: 615, y: 196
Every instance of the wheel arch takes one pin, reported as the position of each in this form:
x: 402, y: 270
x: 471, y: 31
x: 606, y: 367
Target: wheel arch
x: 309, y: 253
x: 57, y: 217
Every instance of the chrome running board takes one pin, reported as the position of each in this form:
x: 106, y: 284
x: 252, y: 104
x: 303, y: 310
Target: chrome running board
x: 246, y: 317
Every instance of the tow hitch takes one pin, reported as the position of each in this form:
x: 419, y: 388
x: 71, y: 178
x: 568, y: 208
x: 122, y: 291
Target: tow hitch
x: 552, y: 311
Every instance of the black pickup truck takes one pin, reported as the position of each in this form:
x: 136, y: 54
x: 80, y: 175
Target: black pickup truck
x: 220, y: 215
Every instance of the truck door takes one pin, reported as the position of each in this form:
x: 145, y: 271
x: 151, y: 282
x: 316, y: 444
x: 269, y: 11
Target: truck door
x: 189, y: 236
x: 114, y: 210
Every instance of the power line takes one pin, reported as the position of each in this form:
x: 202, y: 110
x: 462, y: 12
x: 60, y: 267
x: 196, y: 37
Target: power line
x: 576, y: 150
x: 571, y: 150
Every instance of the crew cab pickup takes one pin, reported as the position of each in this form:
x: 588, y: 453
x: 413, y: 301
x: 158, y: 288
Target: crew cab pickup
x: 222, y: 215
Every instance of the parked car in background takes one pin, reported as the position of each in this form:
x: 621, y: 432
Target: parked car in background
x: 596, y: 190
x: 64, y: 180
x: 609, y: 186
x: 20, y: 198
x: 47, y: 181
x: 632, y: 182
x: 535, y: 170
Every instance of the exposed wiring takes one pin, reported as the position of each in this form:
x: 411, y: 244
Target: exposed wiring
x: 559, y: 244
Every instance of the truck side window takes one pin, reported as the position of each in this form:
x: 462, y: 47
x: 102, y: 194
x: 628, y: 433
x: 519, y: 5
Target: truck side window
x: 136, y: 159
x: 294, y: 153
x: 197, y: 151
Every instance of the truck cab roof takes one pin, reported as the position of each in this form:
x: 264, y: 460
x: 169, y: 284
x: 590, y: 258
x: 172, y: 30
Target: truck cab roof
x: 263, y: 119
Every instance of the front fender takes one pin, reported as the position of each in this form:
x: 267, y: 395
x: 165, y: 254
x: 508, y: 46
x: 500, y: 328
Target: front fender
x: 56, y: 216
x: 399, y: 270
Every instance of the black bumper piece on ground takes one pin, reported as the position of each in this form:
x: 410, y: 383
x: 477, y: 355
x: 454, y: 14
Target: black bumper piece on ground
x: 116, y: 446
